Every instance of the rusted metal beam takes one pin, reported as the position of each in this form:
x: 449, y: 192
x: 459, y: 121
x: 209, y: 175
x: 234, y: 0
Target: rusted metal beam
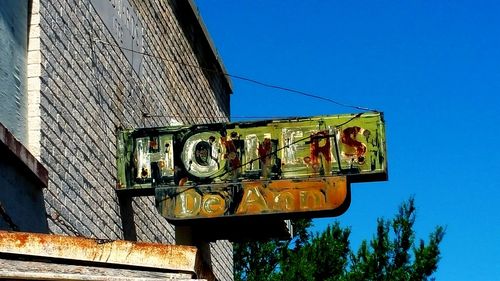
x: 123, y: 253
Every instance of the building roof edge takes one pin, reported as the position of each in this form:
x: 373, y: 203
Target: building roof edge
x: 196, y: 13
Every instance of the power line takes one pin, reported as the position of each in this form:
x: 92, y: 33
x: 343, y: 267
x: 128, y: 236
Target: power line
x: 267, y: 85
x: 299, y: 92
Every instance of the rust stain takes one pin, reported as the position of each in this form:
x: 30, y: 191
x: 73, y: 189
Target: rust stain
x: 150, y: 255
x: 21, y: 240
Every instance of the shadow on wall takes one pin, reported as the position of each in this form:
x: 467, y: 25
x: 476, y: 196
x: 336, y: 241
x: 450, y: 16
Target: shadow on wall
x: 127, y: 215
x: 13, y: 63
x: 22, y: 179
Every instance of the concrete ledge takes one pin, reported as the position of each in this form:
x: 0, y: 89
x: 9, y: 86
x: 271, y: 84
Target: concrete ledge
x: 21, y: 155
x: 36, y: 270
x: 119, y: 252
x: 98, y: 253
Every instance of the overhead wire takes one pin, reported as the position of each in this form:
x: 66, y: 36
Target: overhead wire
x: 242, y: 78
x: 299, y: 92
x: 250, y: 80
x: 254, y: 81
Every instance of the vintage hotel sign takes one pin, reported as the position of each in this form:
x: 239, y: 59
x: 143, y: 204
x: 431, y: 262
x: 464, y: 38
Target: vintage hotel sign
x: 289, y: 167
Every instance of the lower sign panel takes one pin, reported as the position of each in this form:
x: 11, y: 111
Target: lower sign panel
x: 326, y: 196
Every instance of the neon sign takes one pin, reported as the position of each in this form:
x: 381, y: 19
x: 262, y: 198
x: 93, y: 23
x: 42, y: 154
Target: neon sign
x: 247, y: 168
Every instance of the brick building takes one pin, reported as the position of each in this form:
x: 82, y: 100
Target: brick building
x: 94, y: 67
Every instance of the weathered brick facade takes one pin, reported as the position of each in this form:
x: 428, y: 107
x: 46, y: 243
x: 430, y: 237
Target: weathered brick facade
x: 82, y: 88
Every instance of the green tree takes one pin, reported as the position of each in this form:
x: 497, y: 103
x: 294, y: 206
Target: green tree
x: 256, y: 260
x: 392, y: 254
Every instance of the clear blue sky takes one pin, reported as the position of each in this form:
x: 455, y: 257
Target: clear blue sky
x: 433, y: 68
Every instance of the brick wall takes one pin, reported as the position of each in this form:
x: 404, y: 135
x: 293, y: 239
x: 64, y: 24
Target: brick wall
x: 222, y: 259
x: 86, y: 88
